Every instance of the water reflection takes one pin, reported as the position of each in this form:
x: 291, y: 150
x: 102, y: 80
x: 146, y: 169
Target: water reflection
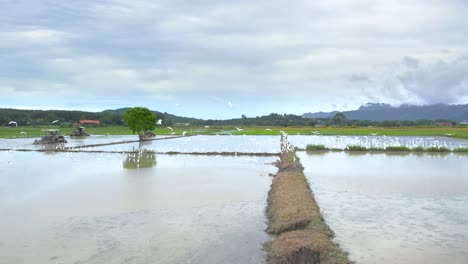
x: 394, y: 208
x: 88, y: 209
x: 341, y: 142
x: 140, y: 159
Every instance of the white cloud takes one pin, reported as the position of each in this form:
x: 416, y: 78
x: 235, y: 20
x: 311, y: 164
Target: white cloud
x: 32, y: 37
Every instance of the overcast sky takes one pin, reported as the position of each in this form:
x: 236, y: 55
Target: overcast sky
x: 221, y: 59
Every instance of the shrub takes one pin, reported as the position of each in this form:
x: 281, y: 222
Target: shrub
x: 437, y: 149
x: 397, y: 148
x: 355, y: 148
x: 315, y: 148
x: 375, y: 149
x: 417, y: 149
x: 461, y: 149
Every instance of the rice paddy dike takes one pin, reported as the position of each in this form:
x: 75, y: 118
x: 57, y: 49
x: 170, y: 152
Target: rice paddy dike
x: 302, y: 236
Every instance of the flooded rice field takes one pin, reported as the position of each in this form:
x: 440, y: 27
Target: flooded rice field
x: 394, y: 208
x: 340, y: 142
x: 92, y: 208
x: 249, y: 144
x: 82, y: 207
x: 245, y: 143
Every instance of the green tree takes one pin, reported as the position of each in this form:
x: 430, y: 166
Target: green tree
x: 139, y: 119
x: 339, y: 119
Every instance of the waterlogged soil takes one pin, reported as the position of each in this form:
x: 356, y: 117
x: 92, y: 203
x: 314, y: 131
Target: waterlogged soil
x: 227, y: 143
x: 245, y: 144
x: 378, y: 141
x: 88, y: 208
x: 389, y: 208
x: 249, y: 144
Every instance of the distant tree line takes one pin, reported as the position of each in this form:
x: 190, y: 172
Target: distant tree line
x: 45, y: 117
x: 114, y: 117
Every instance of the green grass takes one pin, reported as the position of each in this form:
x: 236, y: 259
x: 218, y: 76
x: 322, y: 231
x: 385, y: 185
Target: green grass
x: 460, y: 132
x: 316, y: 148
x: 397, y: 148
x: 417, y: 149
x: 375, y: 149
x: 355, y: 148
x: 465, y: 150
x: 437, y: 149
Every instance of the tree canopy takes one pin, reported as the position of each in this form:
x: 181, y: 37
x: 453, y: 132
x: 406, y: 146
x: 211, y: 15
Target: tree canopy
x: 139, y: 119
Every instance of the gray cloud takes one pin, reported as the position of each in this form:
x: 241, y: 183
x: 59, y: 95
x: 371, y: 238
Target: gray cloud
x: 264, y: 56
x: 411, y: 62
x: 442, y: 82
x: 358, y: 78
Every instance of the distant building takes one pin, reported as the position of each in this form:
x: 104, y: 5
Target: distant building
x: 182, y: 124
x: 89, y: 122
x: 463, y: 123
x: 447, y: 124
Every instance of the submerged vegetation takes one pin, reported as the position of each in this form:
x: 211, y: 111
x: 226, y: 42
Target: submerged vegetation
x: 358, y: 148
x: 315, y: 147
x: 417, y: 149
x: 355, y: 148
x: 437, y: 149
x: 397, y: 148
x: 461, y: 150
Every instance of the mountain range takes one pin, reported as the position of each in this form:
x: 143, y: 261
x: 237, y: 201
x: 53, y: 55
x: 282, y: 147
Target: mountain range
x: 386, y: 112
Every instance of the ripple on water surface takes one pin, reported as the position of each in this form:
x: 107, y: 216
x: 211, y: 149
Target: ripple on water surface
x: 89, y: 208
x: 394, y: 208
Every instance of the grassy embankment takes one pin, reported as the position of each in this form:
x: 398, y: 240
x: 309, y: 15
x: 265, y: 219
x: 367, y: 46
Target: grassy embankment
x: 355, y: 148
x: 459, y: 132
x: 293, y: 215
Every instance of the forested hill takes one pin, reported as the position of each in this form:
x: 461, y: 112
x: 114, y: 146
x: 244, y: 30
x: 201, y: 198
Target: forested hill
x: 385, y: 112
x: 107, y: 117
x: 114, y: 117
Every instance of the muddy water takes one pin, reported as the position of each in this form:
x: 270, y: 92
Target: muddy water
x: 268, y: 144
x: 342, y: 142
x: 27, y: 143
x: 394, y: 208
x: 251, y: 144
x: 94, y: 208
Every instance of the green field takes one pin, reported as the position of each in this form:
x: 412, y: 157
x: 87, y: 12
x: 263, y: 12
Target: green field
x: 458, y: 132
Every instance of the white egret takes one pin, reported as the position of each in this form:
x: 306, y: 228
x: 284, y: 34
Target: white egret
x: 207, y: 126
x: 374, y: 134
x: 170, y: 128
x: 55, y: 121
x: 183, y: 133
x: 230, y: 104
x: 268, y: 129
x: 13, y: 122
x: 159, y: 122
x: 239, y: 129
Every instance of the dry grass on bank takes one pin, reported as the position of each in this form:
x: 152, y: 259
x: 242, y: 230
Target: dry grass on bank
x: 290, y: 206
x: 293, y: 215
x: 303, y: 246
